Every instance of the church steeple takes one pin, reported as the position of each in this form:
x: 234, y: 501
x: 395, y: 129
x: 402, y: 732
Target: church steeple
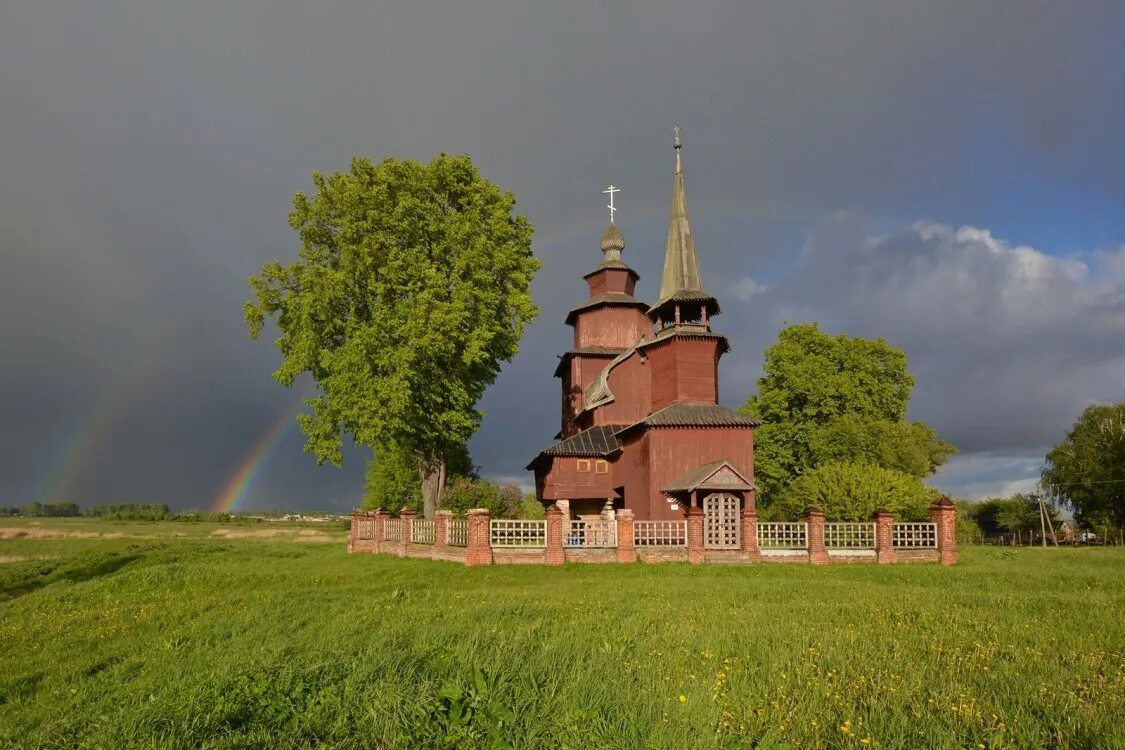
x: 682, y: 296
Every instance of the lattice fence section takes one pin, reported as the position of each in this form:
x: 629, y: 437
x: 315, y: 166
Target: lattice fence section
x: 660, y: 533
x: 393, y: 531
x: 783, y: 535
x: 512, y: 533
x: 914, y: 535
x: 422, y: 531
x: 849, y: 535
x: 591, y: 534
x: 365, y: 528
x: 458, y: 532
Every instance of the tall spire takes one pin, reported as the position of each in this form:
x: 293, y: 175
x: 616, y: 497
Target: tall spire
x: 682, y: 296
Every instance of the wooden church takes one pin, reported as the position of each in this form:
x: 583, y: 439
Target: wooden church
x: 641, y: 425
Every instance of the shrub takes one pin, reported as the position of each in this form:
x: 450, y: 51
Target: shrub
x: 853, y: 492
x: 530, y: 509
x: 464, y: 493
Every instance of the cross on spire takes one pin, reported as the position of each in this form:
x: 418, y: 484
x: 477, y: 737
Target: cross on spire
x: 610, y: 191
x: 677, y: 144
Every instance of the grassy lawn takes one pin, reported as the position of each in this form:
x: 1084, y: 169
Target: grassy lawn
x: 216, y: 640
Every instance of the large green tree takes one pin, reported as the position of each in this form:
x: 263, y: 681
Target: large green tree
x: 413, y: 285
x: 1020, y: 512
x: 840, y: 399
x: 1086, y: 471
x: 393, y: 481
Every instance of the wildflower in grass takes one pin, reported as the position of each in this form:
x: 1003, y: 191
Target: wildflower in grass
x: 683, y: 698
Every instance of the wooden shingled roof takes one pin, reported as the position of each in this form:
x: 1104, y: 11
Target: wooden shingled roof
x: 695, y: 415
x: 618, y: 299
x: 599, y: 441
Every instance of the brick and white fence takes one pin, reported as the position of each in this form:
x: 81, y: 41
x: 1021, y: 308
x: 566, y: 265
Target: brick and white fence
x: 481, y: 540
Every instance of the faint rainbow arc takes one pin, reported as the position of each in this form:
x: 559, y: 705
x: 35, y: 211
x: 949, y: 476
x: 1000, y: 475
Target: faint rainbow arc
x: 236, y: 487
x: 90, y: 428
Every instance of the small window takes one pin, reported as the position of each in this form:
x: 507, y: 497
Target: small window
x: 583, y: 464
x: 601, y: 467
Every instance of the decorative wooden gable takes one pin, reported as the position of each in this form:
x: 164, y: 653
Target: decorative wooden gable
x: 719, y: 475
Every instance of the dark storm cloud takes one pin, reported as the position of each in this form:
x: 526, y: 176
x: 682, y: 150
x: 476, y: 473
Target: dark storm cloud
x: 149, y: 152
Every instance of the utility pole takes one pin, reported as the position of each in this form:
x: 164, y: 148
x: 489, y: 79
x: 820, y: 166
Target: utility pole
x: 1044, y: 517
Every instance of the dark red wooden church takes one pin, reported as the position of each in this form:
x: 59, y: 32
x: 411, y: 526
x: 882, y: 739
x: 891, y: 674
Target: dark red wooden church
x: 641, y: 424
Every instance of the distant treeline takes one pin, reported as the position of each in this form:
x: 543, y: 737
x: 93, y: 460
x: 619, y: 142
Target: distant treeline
x: 131, y: 511
x: 44, y: 510
x: 138, y: 512
x: 112, y: 512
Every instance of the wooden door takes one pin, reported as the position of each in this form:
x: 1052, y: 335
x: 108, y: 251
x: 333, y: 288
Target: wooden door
x: 722, y: 527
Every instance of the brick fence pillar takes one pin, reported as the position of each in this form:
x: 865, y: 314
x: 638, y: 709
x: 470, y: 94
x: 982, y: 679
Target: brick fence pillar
x: 695, y: 552
x: 556, y: 555
x: 441, y: 530
x: 479, y: 548
x: 406, y: 517
x: 944, y: 514
x: 626, y: 549
x: 884, y: 538
x: 353, y: 533
x: 750, y: 530
x: 380, y: 531
x: 818, y: 553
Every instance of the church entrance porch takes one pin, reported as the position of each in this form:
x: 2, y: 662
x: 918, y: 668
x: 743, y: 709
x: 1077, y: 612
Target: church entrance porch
x: 722, y: 525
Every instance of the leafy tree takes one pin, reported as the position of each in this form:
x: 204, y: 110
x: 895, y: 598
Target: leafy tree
x: 413, y: 285
x: 1020, y: 512
x: 966, y: 527
x: 1086, y: 471
x: 393, y: 477
x: 853, y: 492
x: 839, y: 399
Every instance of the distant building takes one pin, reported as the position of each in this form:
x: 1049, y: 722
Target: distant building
x: 641, y: 424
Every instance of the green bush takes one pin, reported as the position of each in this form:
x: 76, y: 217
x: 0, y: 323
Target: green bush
x: 463, y: 493
x: 853, y: 492
x: 530, y: 509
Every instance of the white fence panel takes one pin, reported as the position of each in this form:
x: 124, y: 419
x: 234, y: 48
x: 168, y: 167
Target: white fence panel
x: 394, y: 529
x: 660, y: 533
x: 517, y: 533
x: 591, y: 534
x: 849, y: 535
x: 914, y: 536
x: 422, y: 531
x: 365, y: 528
x: 783, y: 535
x: 458, y: 532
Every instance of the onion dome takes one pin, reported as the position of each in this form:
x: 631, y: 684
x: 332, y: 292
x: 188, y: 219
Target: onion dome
x: 613, y: 242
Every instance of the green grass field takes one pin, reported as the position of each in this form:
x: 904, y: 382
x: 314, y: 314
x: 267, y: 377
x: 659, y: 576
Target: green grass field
x: 214, y: 640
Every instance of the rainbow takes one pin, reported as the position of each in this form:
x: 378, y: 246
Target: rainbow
x: 88, y: 431
x: 234, y: 491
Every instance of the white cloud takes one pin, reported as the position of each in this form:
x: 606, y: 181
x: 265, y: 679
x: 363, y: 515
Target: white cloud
x: 747, y: 287
x: 1007, y: 343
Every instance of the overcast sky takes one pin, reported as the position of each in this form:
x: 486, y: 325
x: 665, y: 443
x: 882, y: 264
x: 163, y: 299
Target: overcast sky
x: 950, y: 176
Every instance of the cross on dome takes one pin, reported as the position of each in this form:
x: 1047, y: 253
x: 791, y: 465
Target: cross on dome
x: 612, y: 210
